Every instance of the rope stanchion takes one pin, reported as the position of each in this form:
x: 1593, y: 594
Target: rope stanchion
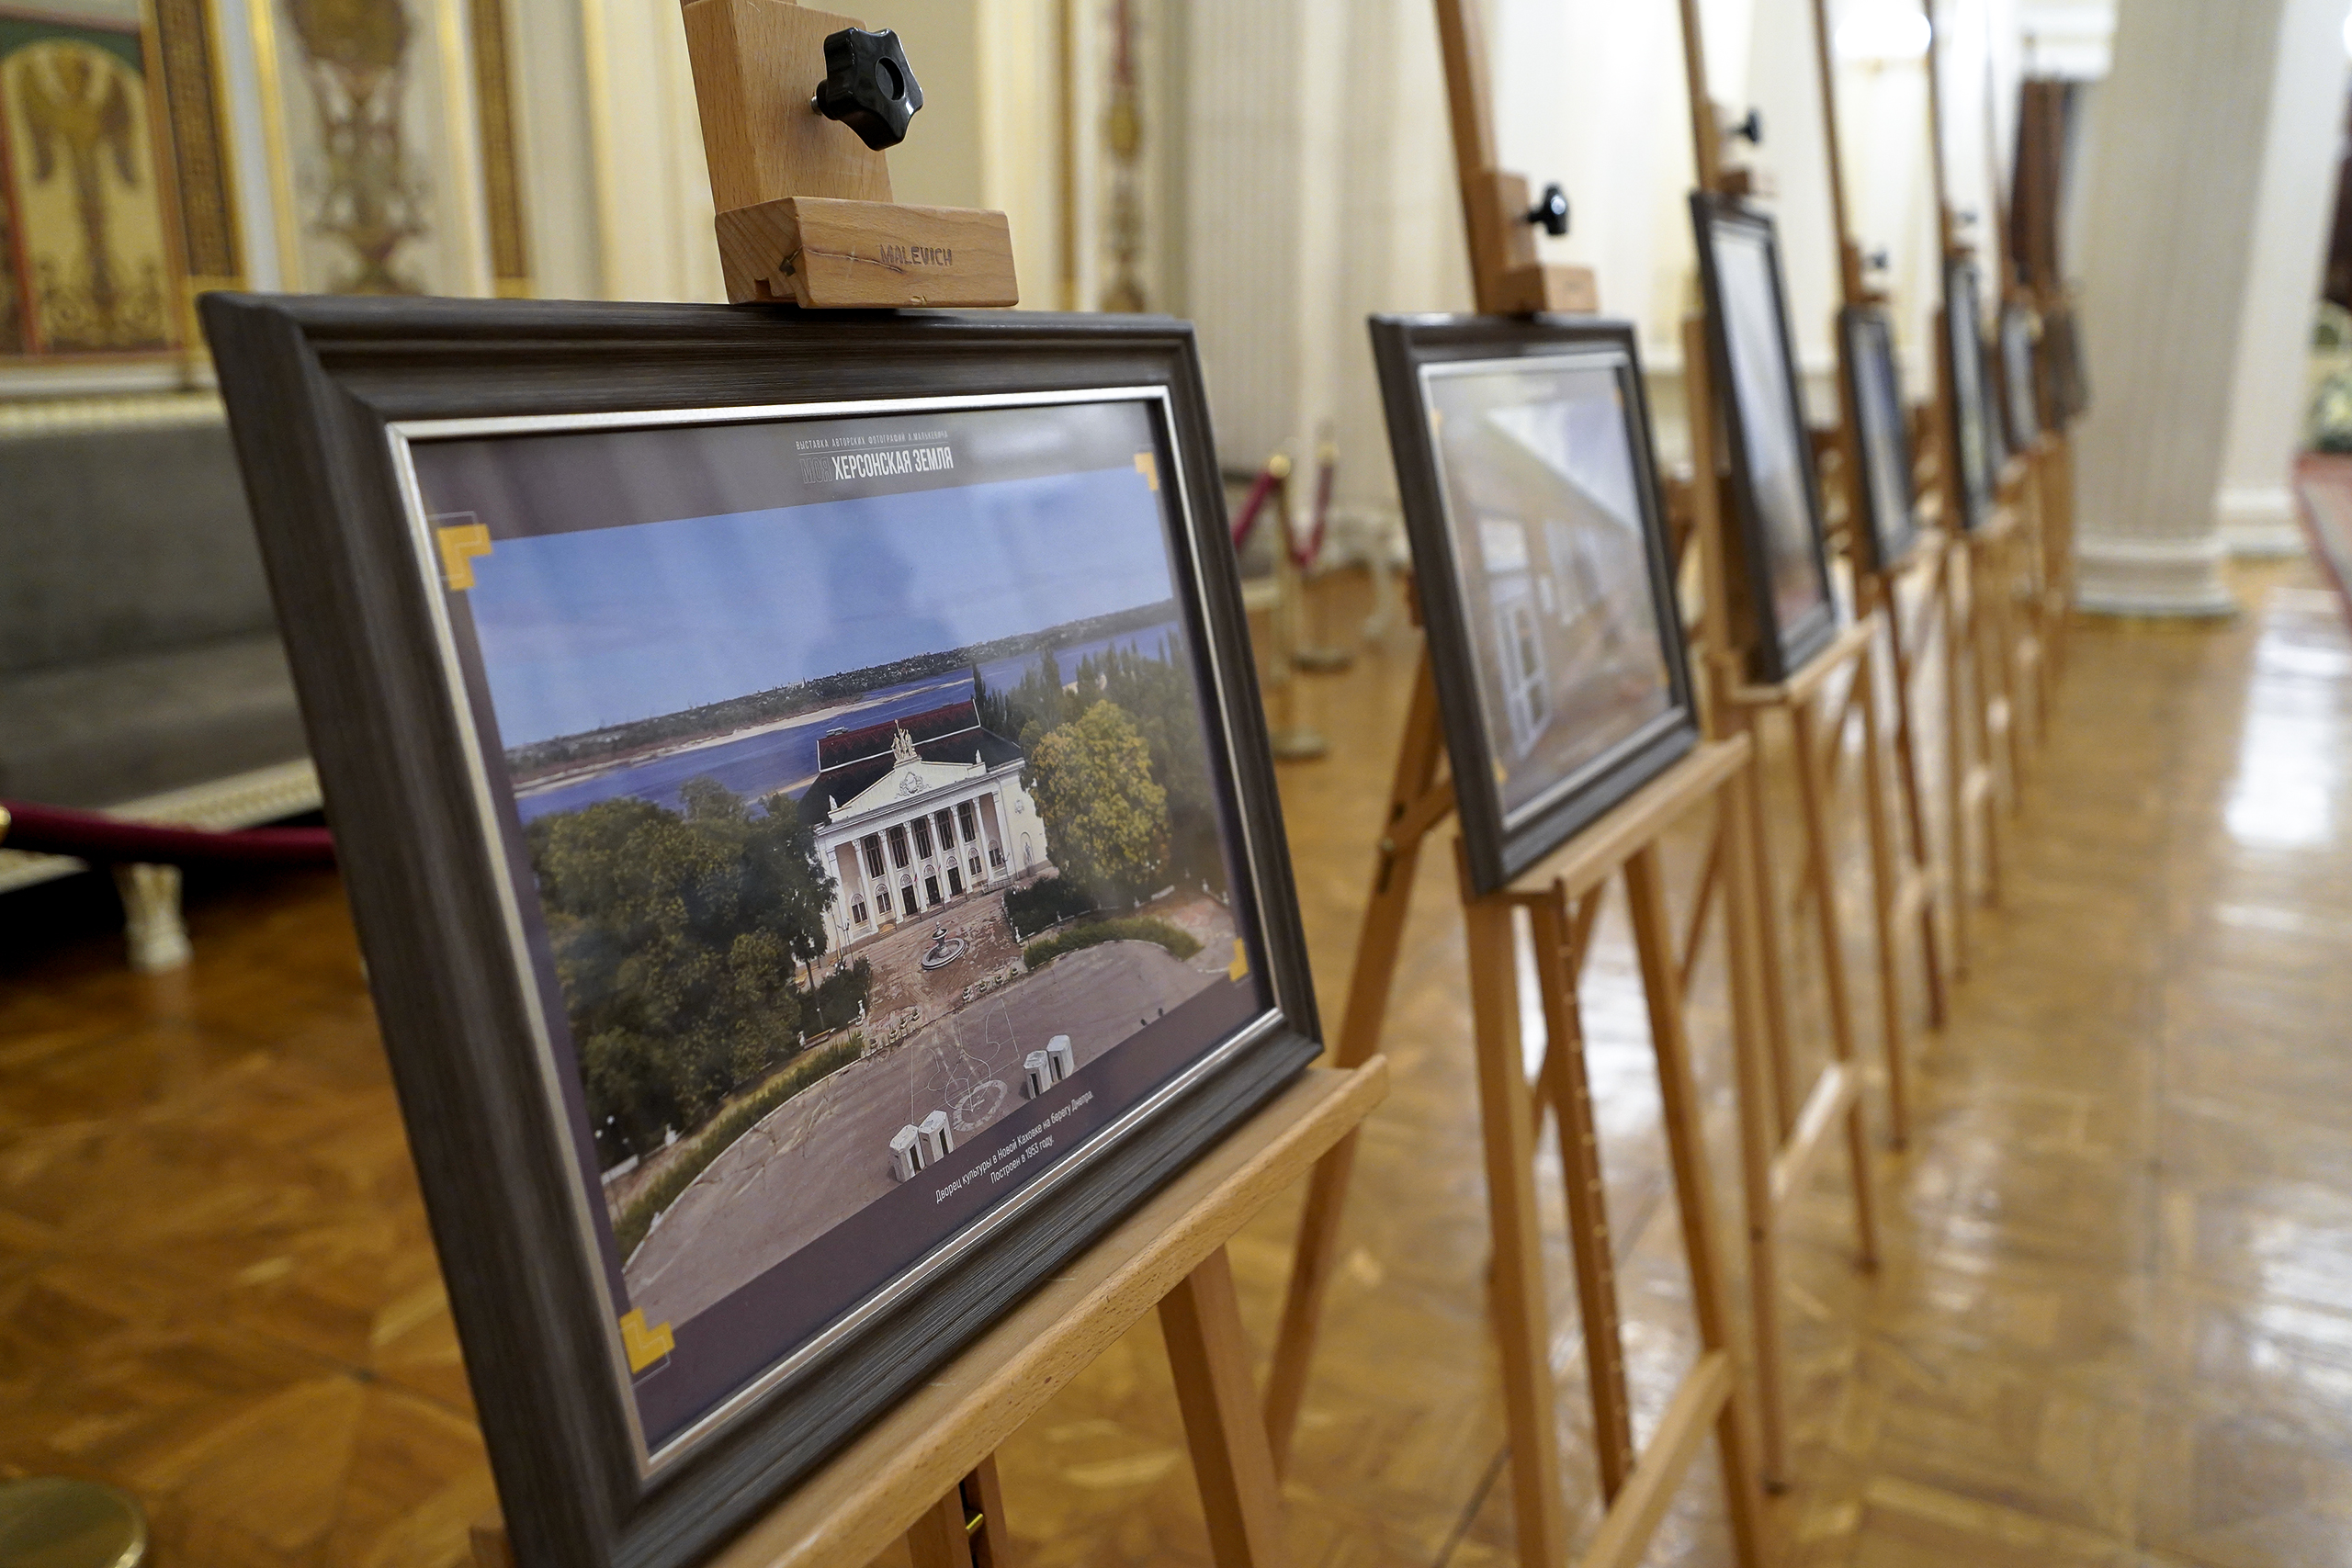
x: 88, y: 835
x: 1245, y: 522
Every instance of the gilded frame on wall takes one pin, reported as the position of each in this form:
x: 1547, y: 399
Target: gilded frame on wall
x: 89, y: 255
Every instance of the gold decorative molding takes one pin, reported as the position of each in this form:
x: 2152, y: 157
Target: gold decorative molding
x: 192, y: 139
x: 502, y: 181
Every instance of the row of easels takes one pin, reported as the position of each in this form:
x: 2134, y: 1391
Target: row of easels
x: 1969, y: 583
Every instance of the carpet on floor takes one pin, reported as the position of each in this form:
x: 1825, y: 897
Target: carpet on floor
x: 2324, y: 485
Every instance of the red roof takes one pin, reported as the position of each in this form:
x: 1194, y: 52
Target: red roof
x: 874, y: 739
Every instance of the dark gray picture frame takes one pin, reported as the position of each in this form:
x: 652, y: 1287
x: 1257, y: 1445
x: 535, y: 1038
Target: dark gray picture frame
x: 1975, y: 444
x: 2020, y: 419
x: 1873, y: 391
x: 315, y: 387
x: 1777, y: 530
x: 1404, y: 347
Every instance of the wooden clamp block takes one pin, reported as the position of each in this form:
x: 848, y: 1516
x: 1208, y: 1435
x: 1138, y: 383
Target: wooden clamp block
x: 805, y: 213
x: 1511, y: 281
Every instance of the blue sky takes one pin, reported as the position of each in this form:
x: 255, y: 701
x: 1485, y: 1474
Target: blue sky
x: 608, y: 625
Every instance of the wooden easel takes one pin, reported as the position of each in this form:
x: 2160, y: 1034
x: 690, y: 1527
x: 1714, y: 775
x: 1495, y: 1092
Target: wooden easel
x: 1905, y: 884
x: 926, y: 1472
x: 1978, y: 715
x: 2029, y: 650
x: 1738, y: 707
x: 1635, y: 1484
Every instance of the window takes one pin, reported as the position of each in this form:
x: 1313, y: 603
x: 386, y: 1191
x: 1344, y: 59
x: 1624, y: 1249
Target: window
x: 954, y: 882
x: 882, y: 900
x: 857, y: 914
x: 947, y: 821
x: 970, y: 820
x: 996, y: 858
x: 923, y: 835
x: 899, y: 848
x: 975, y: 868
x: 931, y: 887
x: 872, y: 847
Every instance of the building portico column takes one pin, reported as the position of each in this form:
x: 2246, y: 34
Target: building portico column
x: 2178, y: 141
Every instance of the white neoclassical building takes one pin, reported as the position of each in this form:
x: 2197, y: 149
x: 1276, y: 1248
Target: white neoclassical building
x: 914, y: 815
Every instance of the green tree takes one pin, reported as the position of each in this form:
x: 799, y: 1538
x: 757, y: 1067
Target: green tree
x: 1105, y: 817
x: 1159, y: 695
x: 674, y: 936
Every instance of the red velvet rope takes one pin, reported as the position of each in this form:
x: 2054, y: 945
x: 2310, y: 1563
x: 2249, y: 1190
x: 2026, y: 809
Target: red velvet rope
x: 1245, y: 520
x: 1304, y: 555
x: 86, y: 835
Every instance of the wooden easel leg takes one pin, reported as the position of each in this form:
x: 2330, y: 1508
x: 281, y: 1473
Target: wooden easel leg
x: 1810, y: 791
x: 1889, y: 875
x: 1768, y: 940
x: 1758, y: 1140
x: 1907, y: 760
x: 1223, y: 1427
x: 992, y: 1537
x: 1957, y: 732
x: 2003, y: 622
x: 1377, y: 942
x: 1989, y: 700
x: 1522, y: 1328
x: 1694, y: 924
x: 966, y: 1528
x: 938, y: 1539
x: 1568, y: 1087
x: 1678, y: 1099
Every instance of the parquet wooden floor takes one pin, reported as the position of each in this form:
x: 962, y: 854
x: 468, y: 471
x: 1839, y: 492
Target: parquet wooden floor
x: 2113, y: 1325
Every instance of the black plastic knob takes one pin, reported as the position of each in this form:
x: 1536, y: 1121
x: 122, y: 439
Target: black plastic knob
x: 1551, y: 211
x: 868, y: 86
x: 1750, y: 131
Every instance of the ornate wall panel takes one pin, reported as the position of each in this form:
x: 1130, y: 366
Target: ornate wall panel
x: 87, y: 257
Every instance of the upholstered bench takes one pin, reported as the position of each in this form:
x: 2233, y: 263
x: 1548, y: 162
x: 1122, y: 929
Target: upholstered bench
x: 141, y: 671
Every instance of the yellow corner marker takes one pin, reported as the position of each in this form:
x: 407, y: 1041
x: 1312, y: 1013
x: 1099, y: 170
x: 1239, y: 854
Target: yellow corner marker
x: 645, y: 1346
x: 1148, y: 465
x: 460, y: 543
x: 1240, y: 968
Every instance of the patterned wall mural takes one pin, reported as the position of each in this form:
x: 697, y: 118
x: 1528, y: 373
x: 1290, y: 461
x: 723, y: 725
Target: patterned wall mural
x: 88, y: 264
x: 392, y: 163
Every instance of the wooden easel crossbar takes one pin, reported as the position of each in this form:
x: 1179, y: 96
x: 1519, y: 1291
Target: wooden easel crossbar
x: 917, y: 1473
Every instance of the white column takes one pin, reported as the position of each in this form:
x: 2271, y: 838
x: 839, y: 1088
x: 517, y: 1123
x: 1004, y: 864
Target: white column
x: 2255, y: 502
x: 2181, y: 127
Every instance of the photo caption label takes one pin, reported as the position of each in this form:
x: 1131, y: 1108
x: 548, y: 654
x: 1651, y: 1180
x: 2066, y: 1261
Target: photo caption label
x: 1011, y: 1156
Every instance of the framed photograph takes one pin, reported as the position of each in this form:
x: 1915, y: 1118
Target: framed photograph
x: 2065, y: 392
x: 2019, y: 415
x: 1889, y: 525
x: 803, y: 795
x: 1783, y: 606
x: 1530, y: 489
x: 1968, y: 407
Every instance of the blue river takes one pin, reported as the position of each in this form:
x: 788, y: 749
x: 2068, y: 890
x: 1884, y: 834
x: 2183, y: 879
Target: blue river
x: 786, y: 758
